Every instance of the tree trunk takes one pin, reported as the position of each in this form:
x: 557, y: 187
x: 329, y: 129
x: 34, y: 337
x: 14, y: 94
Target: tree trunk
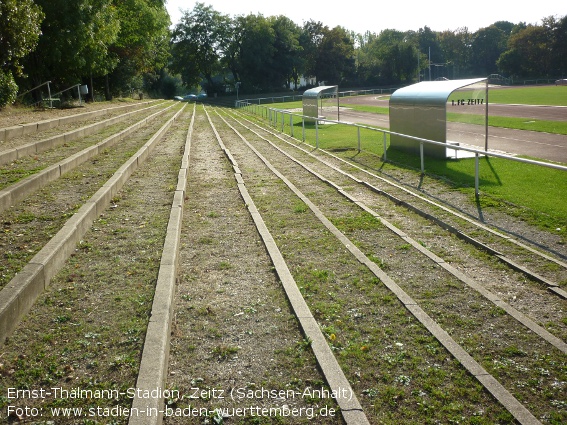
x: 107, y: 94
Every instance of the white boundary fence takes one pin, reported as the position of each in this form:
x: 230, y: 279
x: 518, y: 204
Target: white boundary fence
x: 273, y: 114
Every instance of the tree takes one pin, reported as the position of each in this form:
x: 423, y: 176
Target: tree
x: 335, y: 56
x: 198, y: 43
x: 231, y: 57
x: 310, y: 40
x: 367, y: 62
x: 486, y: 47
x: 431, y: 57
x: 287, y: 50
x: 536, y: 50
x: 142, y: 44
x: 256, y: 55
x: 528, y: 54
x: 455, y: 46
x: 20, y: 22
x: 75, y: 41
x: 390, y: 58
x: 559, y: 46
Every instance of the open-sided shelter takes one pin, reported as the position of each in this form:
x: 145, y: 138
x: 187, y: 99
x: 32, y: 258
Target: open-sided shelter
x: 312, y: 97
x: 420, y: 110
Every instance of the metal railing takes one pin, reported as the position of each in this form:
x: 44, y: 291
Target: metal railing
x: 295, y: 97
x: 50, y: 96
x: 77, y: 86
x: 273, y: 114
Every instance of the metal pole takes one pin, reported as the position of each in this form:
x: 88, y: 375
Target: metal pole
x: 49, y: 94
x: 291, y: 124
x: 385, y: 146
x: 303, y: 128
x: 338, y: 106
x: 476, y: 175
x: 317, y: 133
x: 486, y: 118
x: 358, y: 139
x: 422, y: 159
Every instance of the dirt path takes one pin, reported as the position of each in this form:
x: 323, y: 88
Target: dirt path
x: 234, y: 331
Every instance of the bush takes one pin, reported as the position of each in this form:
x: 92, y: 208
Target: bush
x: 8, y: 88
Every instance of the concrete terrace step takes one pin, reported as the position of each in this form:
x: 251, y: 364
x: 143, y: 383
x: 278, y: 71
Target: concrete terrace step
x: 11, y: 132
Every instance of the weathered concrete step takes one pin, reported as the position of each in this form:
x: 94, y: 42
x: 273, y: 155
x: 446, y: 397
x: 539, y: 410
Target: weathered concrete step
x: 8, y: 133
x: 34, y: 148
x: 24, y: 187
x: 19, y: 295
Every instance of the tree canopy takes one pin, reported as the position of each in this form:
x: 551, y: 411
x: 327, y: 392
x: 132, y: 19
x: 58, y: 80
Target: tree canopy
x: 20, y: 22
x: 120, y: 46
x: 112, y: 44
x: 270, y: 53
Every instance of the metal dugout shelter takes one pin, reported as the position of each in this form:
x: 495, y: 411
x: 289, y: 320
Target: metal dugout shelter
x: 420, y: 110
x: 311, y: 100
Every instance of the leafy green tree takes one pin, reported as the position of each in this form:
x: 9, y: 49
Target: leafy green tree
x: 431, y: 53
x: 529, y: 53
x: 335, y: 61
x: 288, y: 65
x: 310, y: 40
x: 390, y: 58
x: 199, y: 41
x: 20, y: 22
x: 142, y: 44
x: 231, y: 57
x: 455, y: 46
x: 75, y: 41
x: 486, y: 47
x: 256, y: 54
x: 367, y: 59
x: 558, y: 46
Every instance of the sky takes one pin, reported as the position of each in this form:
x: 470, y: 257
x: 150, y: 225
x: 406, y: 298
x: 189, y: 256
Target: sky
x: 361, y: 16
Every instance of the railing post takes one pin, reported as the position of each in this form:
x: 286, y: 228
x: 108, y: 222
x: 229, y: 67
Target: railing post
x: 303, y: 128
x: 422, y: 159
x: 358, y: 139
x: 476, y: 175
x: 317, y: 133
x: 385, y: 146
x: 49, y: 94
x: 291, y: 124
